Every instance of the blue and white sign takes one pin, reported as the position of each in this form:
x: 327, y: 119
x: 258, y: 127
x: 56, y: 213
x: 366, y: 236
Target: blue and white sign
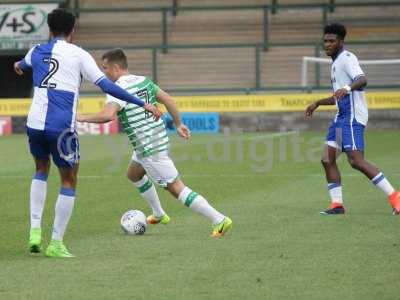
x: 196, y: 122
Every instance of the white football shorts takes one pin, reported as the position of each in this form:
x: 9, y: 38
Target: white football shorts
x: 159, y: 167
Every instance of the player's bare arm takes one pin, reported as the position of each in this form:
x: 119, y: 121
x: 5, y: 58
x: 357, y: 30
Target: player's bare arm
x: 313, y: 106
x: 360, y: 83
x: 157, y: 113
x: 18, y: 69
x: 109, y: 113
x: 170, y: 104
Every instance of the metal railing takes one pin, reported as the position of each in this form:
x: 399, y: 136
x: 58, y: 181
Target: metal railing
x: 258, y: 84
x: 173, y: 9
x: 275, y: 7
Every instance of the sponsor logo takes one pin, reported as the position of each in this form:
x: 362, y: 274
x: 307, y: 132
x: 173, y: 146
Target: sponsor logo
x: 98, y: 129
x: 196, y: 122
x: 21, y: 26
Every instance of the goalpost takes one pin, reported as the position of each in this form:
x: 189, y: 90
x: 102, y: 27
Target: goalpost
x: 319, y: 60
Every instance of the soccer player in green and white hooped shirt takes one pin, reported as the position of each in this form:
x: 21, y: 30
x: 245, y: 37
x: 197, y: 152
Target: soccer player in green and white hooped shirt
x: 150, y: 141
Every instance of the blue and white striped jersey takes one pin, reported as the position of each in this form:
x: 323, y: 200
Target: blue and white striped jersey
x: 58, y: 68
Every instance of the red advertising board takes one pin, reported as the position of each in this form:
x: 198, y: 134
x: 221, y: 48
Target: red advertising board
x: 97, y: 129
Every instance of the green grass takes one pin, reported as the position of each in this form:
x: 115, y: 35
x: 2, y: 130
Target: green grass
x: 279, y: 247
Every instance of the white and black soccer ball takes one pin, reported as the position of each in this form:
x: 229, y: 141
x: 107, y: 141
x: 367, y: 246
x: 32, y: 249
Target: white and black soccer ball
x: 134, y: 222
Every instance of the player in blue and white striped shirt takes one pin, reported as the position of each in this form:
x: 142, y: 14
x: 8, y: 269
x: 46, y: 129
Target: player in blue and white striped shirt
x: 346, y: 132
x: 58, y: 69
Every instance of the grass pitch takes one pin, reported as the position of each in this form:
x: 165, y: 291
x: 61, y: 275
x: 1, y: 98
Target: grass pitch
x: 272, y: 186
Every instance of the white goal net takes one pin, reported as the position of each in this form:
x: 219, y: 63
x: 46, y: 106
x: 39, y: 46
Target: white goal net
x: 379, y: 72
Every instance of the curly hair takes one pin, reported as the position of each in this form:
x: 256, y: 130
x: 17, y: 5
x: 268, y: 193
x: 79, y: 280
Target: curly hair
x: 336, y: 28
x: 61, y: 22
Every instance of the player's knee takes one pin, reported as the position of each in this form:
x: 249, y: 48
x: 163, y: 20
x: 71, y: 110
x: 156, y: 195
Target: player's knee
x: 134, y: 177
x: 69, y: 180
x: 129, y: 176
x: 175, y: 188
x: 327, y: 163
x: 356, y: 163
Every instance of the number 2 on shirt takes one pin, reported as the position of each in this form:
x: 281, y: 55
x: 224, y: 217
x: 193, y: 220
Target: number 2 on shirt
x: 53, y: 69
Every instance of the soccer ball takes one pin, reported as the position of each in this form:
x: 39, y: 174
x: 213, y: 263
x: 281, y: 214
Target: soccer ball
x: 134, y: 222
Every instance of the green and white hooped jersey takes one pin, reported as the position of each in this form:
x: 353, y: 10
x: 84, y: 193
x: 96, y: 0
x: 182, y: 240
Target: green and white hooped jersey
x: 147, y: 136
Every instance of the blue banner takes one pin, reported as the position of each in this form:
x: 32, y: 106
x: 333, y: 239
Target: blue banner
x: 196, y: 122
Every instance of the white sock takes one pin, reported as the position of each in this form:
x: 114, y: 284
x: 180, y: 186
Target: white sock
x: 63, y: 211
x: 149, y: 193
x: 381, y: 182
x: 37, y: 198
x: 200, y: 205
x: 335, y: 192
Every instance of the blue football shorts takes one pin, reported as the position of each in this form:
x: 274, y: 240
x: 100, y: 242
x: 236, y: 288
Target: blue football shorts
x: 346, y: 136
x: 62, y: 146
